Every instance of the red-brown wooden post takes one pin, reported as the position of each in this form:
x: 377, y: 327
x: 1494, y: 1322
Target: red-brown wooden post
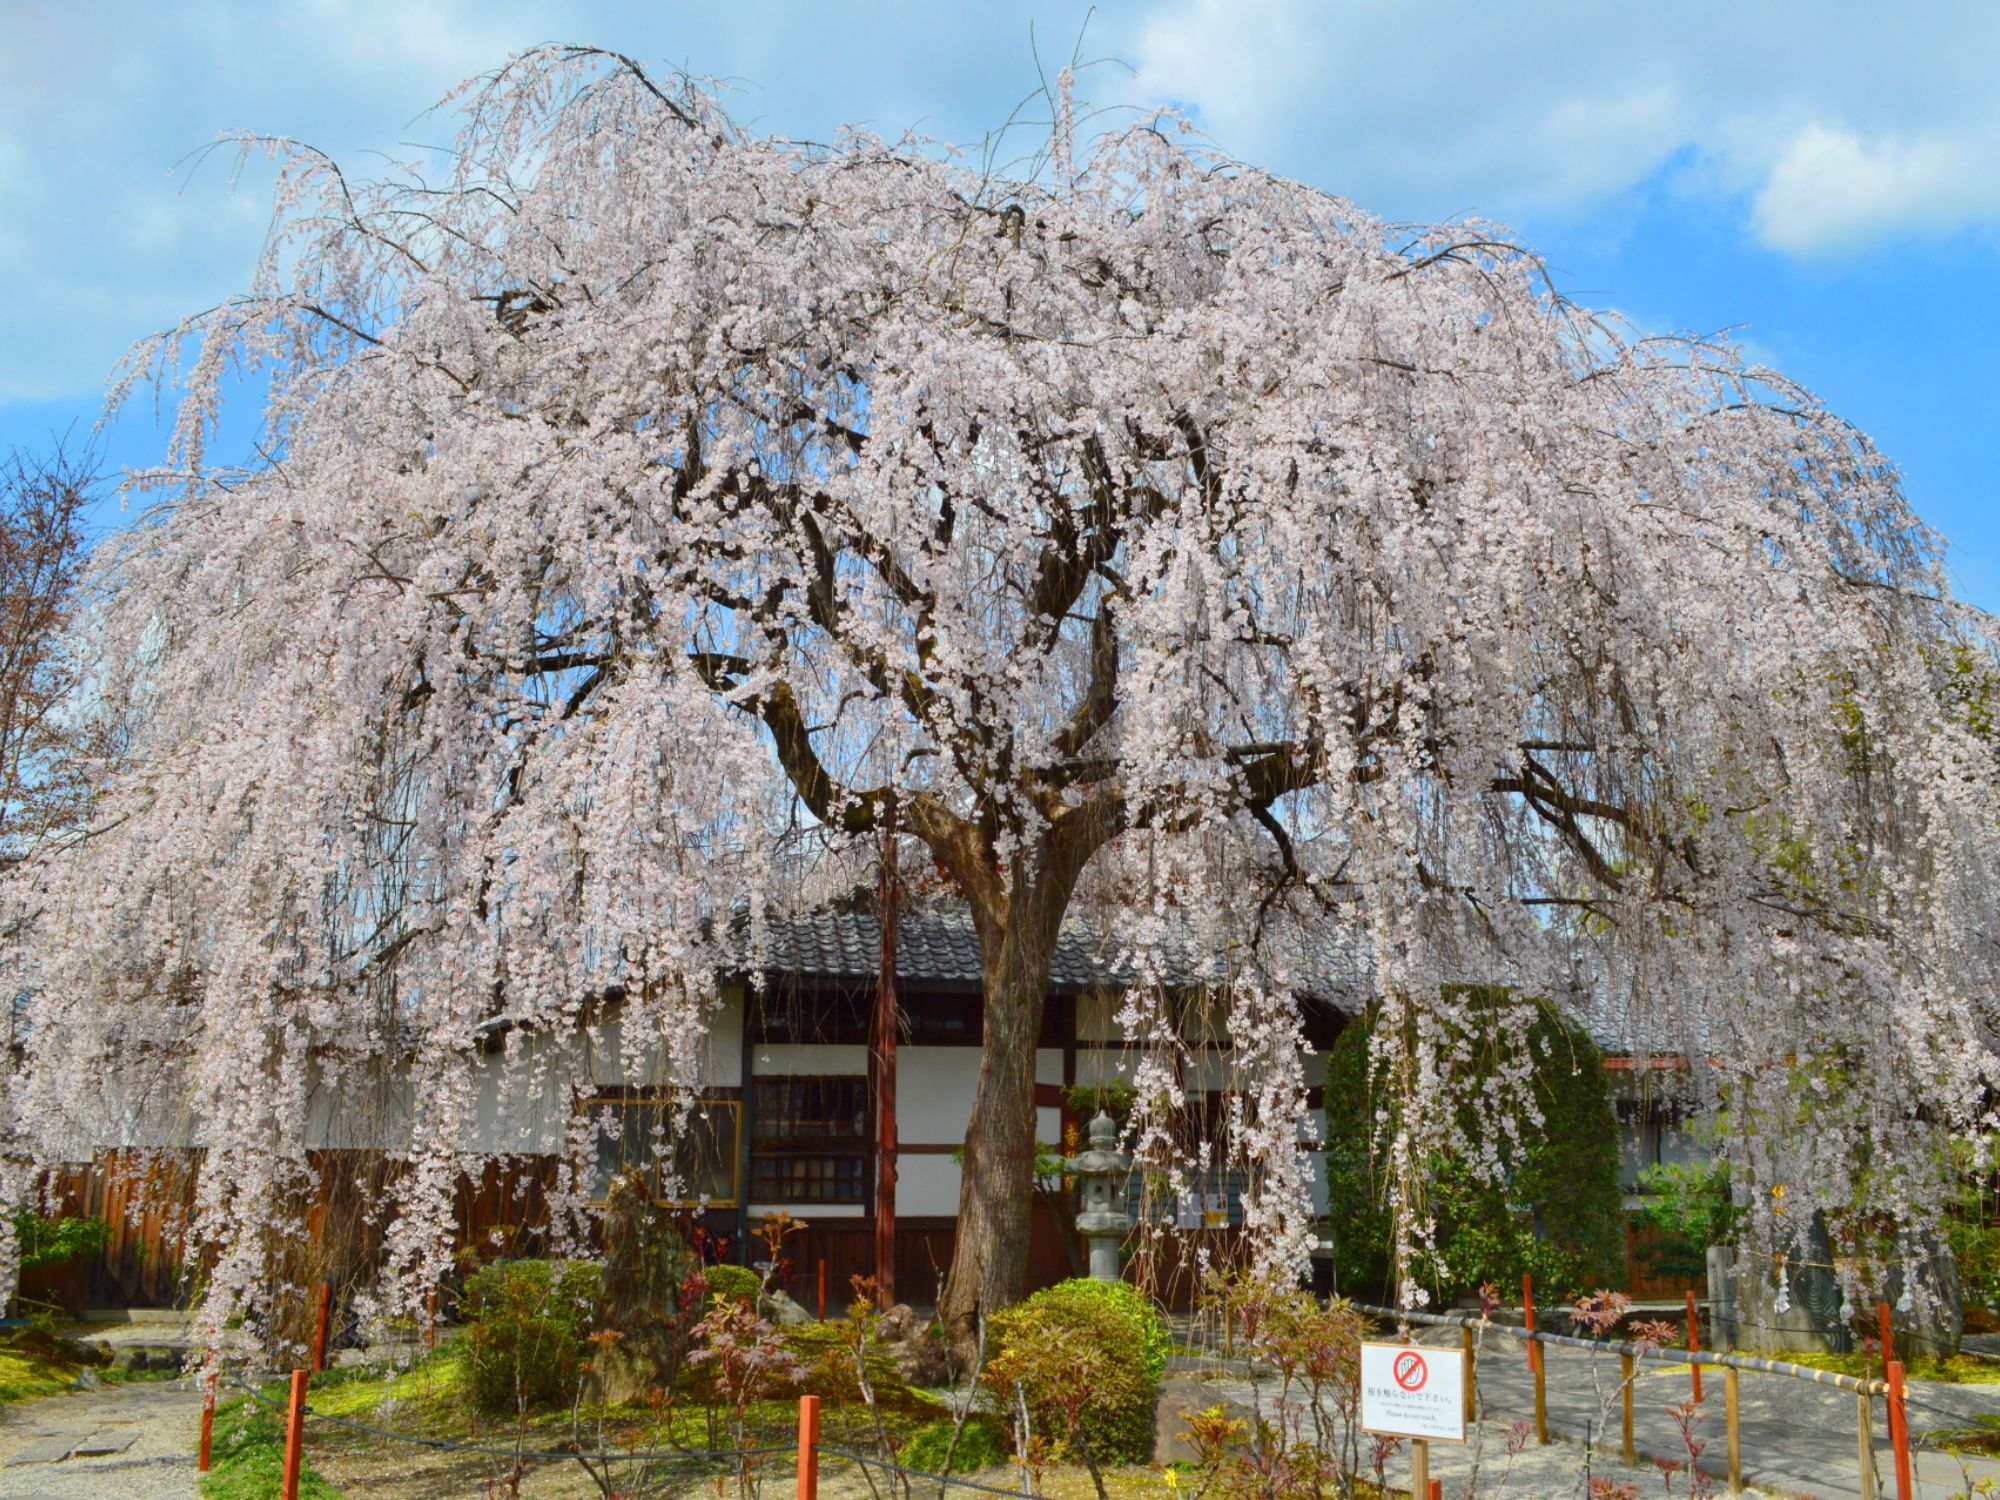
x: 1899, y: 1431
x: 295, y: 1436
x: 885, y: 1079
x: 1694, y: 1345
x: 808, y: 1448
x: 1528, y: 1316
x: 319, y: 1332
x: 431, y: 1321
x: 1888, y: 1333
x: 822, y: 1289
x: 1535, y: 1362
x: 207, y: 1423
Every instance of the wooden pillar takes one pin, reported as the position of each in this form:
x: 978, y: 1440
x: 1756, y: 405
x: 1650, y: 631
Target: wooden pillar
x: 1628, y: 1452
x: 1694, y: 1344
x: 1535, y: 1362
x: 1734, y: 1429
x: 808, y: 1448
x: 1471, y: 1376
x: 1420, y: 1467
x: 1864, y: 1430
x: 822, y: 1289
x: 885, y: 1078
x: 295, y: 1436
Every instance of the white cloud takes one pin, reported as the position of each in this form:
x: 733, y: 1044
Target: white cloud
x: 1840, y: 123
x: 1830, y: 190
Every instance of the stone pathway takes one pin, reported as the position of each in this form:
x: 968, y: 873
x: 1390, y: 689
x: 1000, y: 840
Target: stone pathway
x: 1798, y: 1438
x: 135, y: 1442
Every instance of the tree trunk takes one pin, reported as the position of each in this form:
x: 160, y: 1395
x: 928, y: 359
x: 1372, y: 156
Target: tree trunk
x: 989, y: 1265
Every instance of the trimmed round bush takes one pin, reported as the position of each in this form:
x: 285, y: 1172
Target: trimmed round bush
x: 1081, y: 1347
x: 737, y: 1282
x: 527, y: 1321
x: 1129, y: 1303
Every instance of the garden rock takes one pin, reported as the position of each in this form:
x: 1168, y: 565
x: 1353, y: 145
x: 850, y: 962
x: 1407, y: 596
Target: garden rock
x: 901, y: 1323
x: 783, y: 1311
x: 924, y: 1361
x: 1182, y: 1394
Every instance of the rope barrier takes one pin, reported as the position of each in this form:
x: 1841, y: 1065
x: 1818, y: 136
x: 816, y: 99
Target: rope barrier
x: 540, y: 1455
x: 870, y: 1461
x: 1663, y: 1355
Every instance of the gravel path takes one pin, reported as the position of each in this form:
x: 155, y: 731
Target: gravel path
x: 132, y: 1442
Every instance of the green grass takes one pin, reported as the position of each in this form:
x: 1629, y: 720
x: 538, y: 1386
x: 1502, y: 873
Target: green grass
x: 1958, y: 1369
x: 26, y: 1377
x: 248, y: 1457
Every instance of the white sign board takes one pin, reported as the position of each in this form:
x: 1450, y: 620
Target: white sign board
x: 1411, y: 1392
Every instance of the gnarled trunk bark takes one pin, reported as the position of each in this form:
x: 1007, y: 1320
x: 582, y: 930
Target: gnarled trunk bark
x: 989, y: 1266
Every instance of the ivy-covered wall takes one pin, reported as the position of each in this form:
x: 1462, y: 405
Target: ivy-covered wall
x: 1556, y: 1210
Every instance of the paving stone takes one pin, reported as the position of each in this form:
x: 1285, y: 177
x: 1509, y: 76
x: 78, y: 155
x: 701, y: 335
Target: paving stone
x: 47, y: 1451
x: 102, y: 1444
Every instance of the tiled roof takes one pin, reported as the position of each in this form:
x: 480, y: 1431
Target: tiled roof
x: 937, y: 945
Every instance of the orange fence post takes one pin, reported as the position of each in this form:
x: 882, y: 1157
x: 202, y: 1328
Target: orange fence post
x: 1888, y: 1335
x: 1535, y: 1362
x: 1899, y: 1431
x: 295, y: 1435
x: 431, y: 1321
x: 207, y: 1424
x: 1528, y: 1317
x: 1694, y: 1344
x: 319, y: 1334
x: 808, y: 1448
x: 822, y: 1291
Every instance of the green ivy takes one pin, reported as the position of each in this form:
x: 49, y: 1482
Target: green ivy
x: 1556, y: 1210
x: 53, y: 1242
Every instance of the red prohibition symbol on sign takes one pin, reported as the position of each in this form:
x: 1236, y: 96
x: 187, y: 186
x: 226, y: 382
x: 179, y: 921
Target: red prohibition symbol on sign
x: 1410, y: 1371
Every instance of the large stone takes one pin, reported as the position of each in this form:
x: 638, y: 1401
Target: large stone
x: 901, y: 1322
x: 616, y: 1377
x: 1182, y: 1395
x: 783, y: 1311
x: 1934, y: 1325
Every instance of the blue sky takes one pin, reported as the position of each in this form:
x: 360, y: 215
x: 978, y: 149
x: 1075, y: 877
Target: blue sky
x: 1821, y: 176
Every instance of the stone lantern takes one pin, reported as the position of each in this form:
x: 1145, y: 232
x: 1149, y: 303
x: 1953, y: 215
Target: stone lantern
x: 1098, y: 1171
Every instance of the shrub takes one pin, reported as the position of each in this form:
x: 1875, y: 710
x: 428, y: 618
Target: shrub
x: 983, y: 1445
x: 528, y: 1320
x: 1156, y: 1341
x: 738, y: 1283
x: 826, y: 1354
x: 1084, y: 1367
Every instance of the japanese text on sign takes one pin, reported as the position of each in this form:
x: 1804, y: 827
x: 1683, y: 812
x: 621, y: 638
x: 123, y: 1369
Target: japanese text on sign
x: 1413, y: 1393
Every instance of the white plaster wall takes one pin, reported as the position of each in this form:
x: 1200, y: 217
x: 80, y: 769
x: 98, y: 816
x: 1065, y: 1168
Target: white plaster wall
x: 927, y: 1186
x: 515, y: 1111
x: 934, y: 1093
x: 1048, y: 1126
x: 720, y: 1063
x: 1048, y: 1066
x: 369, y: 1111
